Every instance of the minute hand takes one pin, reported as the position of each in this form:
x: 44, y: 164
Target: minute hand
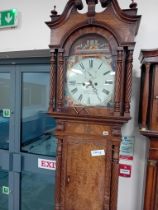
x: 94, y: 89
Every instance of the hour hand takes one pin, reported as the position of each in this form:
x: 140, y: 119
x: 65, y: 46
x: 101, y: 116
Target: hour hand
x: 90, y: 74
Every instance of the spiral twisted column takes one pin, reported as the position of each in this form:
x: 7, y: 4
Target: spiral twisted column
x: 128, y: 79
x: 119, y: 69
x: 60, y: 80
x: 52, y: 81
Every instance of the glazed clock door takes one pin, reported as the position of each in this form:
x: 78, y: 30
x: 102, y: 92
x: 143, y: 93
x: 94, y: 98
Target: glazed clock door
x: 90, y: 75
x: 87, y: 178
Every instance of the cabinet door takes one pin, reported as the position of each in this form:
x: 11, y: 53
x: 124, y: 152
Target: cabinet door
x: 87, y: 174
x: 154, y: 93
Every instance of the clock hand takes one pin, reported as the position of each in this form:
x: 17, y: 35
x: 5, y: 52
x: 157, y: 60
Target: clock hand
x: 94, y: 89
x: 96, y: 92
x: 87, y: 84
x: 76, y: 83
x: 90, y: 74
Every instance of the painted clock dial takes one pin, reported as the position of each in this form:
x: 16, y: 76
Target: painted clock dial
x: 90, y: 77
x: 90, y: 82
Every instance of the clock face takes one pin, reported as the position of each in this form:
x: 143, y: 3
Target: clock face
x: 90, y: 82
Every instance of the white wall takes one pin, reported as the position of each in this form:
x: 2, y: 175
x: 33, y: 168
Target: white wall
x: 32, y: 33
x: 130, y: 191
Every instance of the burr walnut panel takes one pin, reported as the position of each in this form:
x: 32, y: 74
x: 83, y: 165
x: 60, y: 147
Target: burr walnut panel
x: 86, y: 174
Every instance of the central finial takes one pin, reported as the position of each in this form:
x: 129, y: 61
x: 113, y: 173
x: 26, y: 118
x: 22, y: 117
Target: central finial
x: 54, y: 12
x: 133, y: 5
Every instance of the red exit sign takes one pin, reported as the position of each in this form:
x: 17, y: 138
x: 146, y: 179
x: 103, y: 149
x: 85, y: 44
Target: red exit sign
x: 47, y: 164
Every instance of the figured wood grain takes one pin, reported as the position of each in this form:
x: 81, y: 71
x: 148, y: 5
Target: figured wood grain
x: 114, y: 180
x: 149, y: 201
x: 156, y: 193
x: 58, y: 203
x: 86, y: 175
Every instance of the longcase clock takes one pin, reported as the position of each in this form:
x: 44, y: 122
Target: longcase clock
x: 148, y: 120
x: 91, y: 77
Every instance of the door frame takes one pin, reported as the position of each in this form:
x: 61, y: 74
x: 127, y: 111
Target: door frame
x: 13, y: 157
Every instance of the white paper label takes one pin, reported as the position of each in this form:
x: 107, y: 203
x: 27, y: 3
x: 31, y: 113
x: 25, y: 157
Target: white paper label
x: 105, y: 133
x: 97, y: 153
x: 47, y: 164
x: 124, y: 171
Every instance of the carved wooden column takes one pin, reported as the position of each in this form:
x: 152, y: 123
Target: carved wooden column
x: 145, y: 97
x: 58, y: 204
x: 150, y: 185
x: 115, y: 171
x: 60, y: 82
x: 116, y: 132
x: 128, y: 88
x: 107, y: 196
x: 52, y: 81
x: 119, y: 69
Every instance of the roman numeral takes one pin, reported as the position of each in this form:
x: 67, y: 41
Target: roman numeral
x: 82, y: 66
x: 106, y: 91
x: 90, y: 63
x: 72, y: 82
x: 106, y: 72
x: 74, y: 90
x: 108, y: 82
x: 100, y: 65
x: 80, y: 97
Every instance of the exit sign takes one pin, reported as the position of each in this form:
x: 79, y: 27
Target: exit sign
x: 8, y: 18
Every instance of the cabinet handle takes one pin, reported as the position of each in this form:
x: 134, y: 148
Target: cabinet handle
x: 156, y: 97
x: 68, y: 179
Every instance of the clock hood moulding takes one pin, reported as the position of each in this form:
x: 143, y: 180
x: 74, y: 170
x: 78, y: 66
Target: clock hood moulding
x: 123, y: 24
x: 119, y: 27
x: 147, y: 55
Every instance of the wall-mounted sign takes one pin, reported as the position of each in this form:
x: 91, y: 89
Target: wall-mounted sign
x: 125, y: 170
x: 127, y: 148
x: 47, y: 164
x: 8, y: 18
x: 5, y: 190
x: 6, y: 112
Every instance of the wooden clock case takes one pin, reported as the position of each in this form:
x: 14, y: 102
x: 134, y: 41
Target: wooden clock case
x: 84, y: 181
x: 148, y: 120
